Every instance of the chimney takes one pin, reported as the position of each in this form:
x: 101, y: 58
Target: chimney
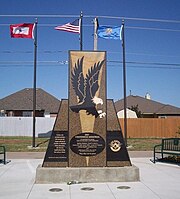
x: 147, y: 96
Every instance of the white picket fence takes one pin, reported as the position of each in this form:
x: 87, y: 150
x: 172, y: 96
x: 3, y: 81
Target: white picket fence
x: 23, y: 126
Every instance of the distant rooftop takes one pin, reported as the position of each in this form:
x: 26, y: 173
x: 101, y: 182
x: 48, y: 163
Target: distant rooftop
x: 147, y: 106
x: 23, y: 100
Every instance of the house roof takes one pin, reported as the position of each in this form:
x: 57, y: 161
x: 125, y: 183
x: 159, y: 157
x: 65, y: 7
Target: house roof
x: 147, y: 106
x: 23, y: 100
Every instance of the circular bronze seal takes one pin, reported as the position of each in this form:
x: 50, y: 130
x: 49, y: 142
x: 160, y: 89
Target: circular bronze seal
x: 115, y: 145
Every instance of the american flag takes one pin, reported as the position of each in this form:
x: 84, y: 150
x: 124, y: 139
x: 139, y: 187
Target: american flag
x: 70, y: 27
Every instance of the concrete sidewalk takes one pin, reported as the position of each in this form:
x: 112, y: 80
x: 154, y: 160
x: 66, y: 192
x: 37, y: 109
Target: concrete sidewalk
x: 158, y: 180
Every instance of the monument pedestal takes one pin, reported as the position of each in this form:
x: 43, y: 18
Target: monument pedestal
x: 49, y: 175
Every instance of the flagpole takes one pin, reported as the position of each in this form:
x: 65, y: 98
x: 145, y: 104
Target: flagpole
x: 124, y: 82
x: 34, y: 85
x: 81, y: 44
x: 95, y: 33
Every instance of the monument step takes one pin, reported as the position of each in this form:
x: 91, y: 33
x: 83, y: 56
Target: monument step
x: 48, y: 175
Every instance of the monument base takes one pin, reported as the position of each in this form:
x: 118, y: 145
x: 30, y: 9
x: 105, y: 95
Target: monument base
x: 48, y: 175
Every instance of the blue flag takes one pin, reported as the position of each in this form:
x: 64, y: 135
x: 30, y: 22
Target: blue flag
x: 109, y: 32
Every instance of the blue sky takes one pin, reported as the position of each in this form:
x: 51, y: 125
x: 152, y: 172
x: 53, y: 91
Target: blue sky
x: 152, y: 46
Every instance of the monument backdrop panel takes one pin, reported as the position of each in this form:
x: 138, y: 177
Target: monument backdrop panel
x: 87, y: 109
x: 117, y: 154
x: 58, y: 147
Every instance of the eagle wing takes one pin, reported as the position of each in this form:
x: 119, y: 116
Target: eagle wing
x: 91, y: 80
x: 77, y: 79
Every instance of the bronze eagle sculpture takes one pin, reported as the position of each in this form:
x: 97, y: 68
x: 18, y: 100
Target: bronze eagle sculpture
x: 86, y: 87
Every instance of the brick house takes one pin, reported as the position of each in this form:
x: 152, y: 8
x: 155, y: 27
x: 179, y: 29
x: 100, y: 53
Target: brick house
x: 149, y: 108
x: 21, y: 104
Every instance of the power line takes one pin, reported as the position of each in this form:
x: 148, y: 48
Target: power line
x: 42, y: 16
x: 127, y: 27
x: 108, y: 17
x: 150, y: 63
x: 65, y: 51
x: 93, y: 16
x: 141, y: 19
x: 155, y: 65
x: 151, y: 28
x: 143, y: 54
x: 28, y: 52
x: 31, y: 62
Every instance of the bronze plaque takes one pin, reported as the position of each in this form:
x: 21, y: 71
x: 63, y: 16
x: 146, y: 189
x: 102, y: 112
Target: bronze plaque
x: 87, y: 144
x: 57, y: 149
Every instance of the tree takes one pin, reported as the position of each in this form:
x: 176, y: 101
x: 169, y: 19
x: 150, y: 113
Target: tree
x: 135, y: 108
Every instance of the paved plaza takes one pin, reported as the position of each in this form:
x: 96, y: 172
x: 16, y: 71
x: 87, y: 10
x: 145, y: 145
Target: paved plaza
x: 160, y: 180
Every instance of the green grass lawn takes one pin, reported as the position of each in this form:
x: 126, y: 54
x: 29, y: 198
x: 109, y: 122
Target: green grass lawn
x: 22, y: 144
x: 142, y: 144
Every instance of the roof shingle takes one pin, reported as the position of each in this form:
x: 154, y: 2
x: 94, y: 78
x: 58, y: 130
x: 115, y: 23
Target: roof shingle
x: 147, y: 106
x: 23, y: 100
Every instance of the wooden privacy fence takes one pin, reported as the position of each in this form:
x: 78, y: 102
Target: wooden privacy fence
x: 151, y: 127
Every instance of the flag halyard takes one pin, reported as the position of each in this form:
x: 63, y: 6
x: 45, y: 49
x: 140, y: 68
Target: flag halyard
x: 25, y: 30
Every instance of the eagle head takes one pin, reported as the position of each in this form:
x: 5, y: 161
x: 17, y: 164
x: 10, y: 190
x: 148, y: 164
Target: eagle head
x: 97, y: 100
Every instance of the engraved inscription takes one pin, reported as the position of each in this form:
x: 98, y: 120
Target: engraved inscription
x: 60, y: 144
x: 87, y: 144
x: 58, y: 147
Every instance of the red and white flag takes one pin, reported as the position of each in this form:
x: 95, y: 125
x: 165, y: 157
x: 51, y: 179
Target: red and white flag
x: 24, y: 30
